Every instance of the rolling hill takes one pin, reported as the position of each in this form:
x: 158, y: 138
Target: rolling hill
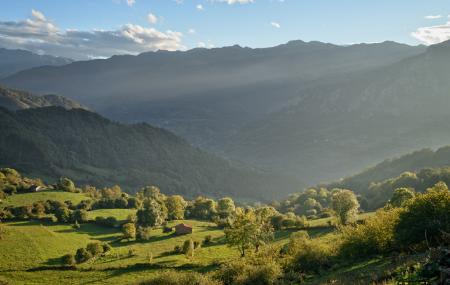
x: 51, y: 142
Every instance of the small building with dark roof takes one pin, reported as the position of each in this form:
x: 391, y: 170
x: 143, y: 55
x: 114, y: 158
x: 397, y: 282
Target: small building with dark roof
x: 183, y: 229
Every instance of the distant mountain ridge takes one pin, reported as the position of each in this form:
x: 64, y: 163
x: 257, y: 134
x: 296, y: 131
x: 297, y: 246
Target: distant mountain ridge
x: 51, y: 142
x: 17, y: 100
x: 314, y: 110
x: 205, y: 95
x: 12, y: 61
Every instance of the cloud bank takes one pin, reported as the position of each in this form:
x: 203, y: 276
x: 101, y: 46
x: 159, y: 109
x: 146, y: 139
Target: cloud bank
x: 433, y: 34
x: 40, y: 35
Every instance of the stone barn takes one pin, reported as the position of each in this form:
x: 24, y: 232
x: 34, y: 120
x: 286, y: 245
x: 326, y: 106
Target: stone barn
x: 183, y: 229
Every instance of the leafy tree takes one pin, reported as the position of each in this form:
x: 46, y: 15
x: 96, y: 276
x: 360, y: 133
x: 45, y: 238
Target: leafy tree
x: 134, y: 203
x: 63, y: 214
x: 144, y: 233
x: 345, y: 205
x: 425, y: 218
x: 243, y: 232
x: 38, y: 209
x: 151, y: 215
x: 401, y: 196
x: 202, y: 208
x: 188, y: 248
x: 94, y: 248
x: 175, y: 207
x: 82, y: 255
x: 129, y: 231
x: 80, y: 216
x: 225, y: 207
x: 66, y: 184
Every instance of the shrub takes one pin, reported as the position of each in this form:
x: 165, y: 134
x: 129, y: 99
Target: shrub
x: 374, y: 236
x: 68, y: 259
x: 82, y: 255
x: 177, y: 249
x: 260, y: 269
x: 180, y: 278
x: 80, y: 215
x: 207, y: 239
x: 425, y: 217
x: 106, y: 247
x: 144, y: 233
x: 129, y: 231
x: 308, y: 255
x: 95, y: 248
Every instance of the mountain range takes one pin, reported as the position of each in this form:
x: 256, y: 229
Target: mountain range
x: 270, y: 107
x: 12, y: 61
x: 314, y: 110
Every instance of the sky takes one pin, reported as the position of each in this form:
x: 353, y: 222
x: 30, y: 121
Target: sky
x: 85, y: 29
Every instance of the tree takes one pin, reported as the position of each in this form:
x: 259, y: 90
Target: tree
x: 225, y: 207
x: 63, y: 214
x: 202, y: 208
x: 66, y: 184
x: 243, y: 232
x: 425, y: 218
x: 345, y: 205
x: 82, y: 255
x: 400, y: 196
x: 129, y: 231
x: 94, y: 248
x: 80, y: 216
x: 151, y: 215
x: 175, y: 207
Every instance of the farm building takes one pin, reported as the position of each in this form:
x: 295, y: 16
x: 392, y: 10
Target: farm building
x: 183, y: 229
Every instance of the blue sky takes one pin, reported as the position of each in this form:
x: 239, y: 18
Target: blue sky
x: 88, y: 28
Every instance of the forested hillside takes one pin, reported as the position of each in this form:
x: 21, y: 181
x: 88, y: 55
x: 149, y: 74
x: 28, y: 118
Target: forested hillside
x: 16, y: 100
x: 53, y: 142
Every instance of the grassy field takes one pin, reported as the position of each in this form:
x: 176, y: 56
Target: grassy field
x: 119, y: 214
x: 30, y: 198
x: 30, y: 250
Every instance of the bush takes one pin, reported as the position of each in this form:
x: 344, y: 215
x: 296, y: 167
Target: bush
x: 80, y: 216
x: 180, y: 278
x: 261, y: 269
x: 68, y: 259
x: 425, y: 218
x: 82, y: 255
x: 106, y: 247
x: 177, y: 249
x: 374, y: 236
x: 207, y: 239
x: 95, y: 248
x: 308, y: 255
x: 144, y: 233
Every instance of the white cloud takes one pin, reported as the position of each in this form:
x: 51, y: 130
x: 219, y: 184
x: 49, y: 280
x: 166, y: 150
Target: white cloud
x: 151, y: 18
x: 433, y: 17
x: 192, y: 31
x: 201, y: 45
x: 433, y: 35
x: 275, y: 25
x: 131, y: 2
x: 200, y: 7
x: 39, y: 34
